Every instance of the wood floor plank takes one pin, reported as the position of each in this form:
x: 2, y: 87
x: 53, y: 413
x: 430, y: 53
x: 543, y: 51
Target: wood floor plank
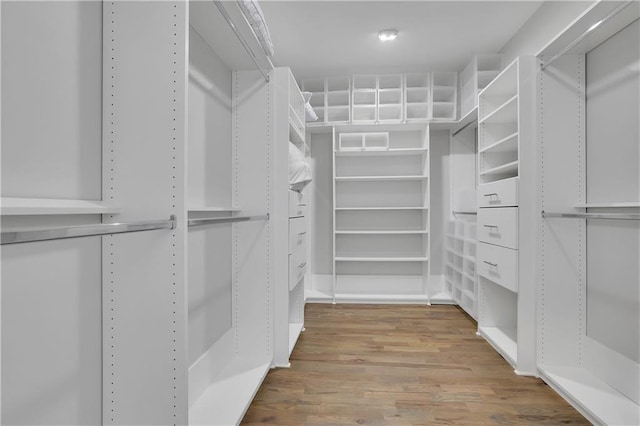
x: 400, y: 365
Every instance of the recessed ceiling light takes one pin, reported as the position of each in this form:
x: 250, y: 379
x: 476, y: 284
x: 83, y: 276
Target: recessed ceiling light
x: 387, y: 35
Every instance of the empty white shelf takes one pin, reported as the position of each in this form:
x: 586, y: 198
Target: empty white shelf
x: 594, y: 398
x: 502, y: 169
x: 375, y: 178
x: 631, y: 204
x: 508, y: 144
x: 226, y: 400
x: 212, y: 209
x: 387, y: 232
x: 46, y: 206
x: 502, y: 341
x: 381, y: 153
x: 381, y: 259
x: 312, y: 295
x: 381, y: 298
x: 384, y: 208
x: 505, y: 113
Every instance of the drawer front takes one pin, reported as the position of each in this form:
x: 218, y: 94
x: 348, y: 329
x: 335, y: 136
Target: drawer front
x: 297, y: 233
x: 499, y: 226
x: 297, y: 266
x: 297, y: 204
x: 498, y: 194
x: 499, y: 264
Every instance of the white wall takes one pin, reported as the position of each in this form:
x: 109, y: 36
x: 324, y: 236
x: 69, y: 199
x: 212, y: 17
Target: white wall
x: 209, y: 184
x: 440, y: 197
x: 548, y: 21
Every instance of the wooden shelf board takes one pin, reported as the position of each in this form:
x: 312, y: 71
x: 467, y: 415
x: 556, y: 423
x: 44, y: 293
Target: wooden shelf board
x: 598, y: 401
x: 501, y: 339
x: 226, y: 400
x: 45, y: 206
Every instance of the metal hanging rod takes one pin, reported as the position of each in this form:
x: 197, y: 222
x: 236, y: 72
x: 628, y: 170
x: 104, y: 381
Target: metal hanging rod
x: 614, y: 216
x: 465, y: 213
x: 227, y: 219
x: 464, y: 127
x: 26, y: 236
x: 582, y: 36
x: 244, y: 43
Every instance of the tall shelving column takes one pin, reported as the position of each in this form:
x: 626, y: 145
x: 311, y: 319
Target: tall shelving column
x: 290, y: 255
x: 381, y: 211
x: 505, y: 199
x: 587, y: 277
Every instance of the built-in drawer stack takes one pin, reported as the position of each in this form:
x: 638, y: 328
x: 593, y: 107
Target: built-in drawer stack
x: 499, y: 138
x: 297, y: 240
x: 498, y: 233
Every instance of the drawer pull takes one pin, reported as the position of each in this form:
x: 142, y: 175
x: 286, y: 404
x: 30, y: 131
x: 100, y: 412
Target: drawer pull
x: 491, y: 194
x: 495, y: 265
x: 491, y: 226
x: 302, y: 265
x: 302, y: 233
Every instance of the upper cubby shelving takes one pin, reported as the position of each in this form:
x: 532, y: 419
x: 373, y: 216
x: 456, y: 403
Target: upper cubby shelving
x: 384, y: 99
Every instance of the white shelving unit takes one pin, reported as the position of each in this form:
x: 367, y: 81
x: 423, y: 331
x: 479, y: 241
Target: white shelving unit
x: 506, y: 242
x: 476, y: 76
x: 444, y: 96
x: 288, y: 219
x: 460, y: 264
x: 364, y: 99
x: 330, y: 99
x: 381, y: 243
x: 417, y: 96
x: 390, y: 98
x: 588, y: 304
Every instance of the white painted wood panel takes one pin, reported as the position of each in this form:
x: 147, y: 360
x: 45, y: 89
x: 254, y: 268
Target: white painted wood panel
x: 499, y: 226
x: 51, y: 99
x: 498, y: 194
x: 499, y: 265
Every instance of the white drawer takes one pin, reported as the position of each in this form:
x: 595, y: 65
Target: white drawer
x: 297, y: 266
x: 498, y: 264
x: 297, y: 233
x: 499, y: 226
x: 297, y: 204
x: 498, y: 194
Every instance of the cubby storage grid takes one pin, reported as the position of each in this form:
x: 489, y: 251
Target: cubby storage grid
x: 460, y: 264
x: 476, y: 76
x: 444, y: 94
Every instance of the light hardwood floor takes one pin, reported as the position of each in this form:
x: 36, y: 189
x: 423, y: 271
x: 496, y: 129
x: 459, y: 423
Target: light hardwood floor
x: 400, y: 365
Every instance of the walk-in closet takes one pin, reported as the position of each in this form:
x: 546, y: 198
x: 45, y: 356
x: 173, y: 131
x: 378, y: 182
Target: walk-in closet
x: 319, y: 212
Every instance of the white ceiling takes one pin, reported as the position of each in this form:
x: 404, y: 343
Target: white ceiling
x: 318, y: 38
